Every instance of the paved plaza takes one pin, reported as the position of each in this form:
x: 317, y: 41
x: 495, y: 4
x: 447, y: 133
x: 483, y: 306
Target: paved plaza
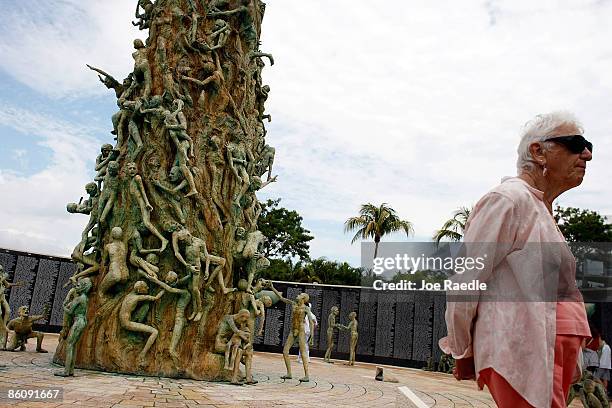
x: 331, y: 385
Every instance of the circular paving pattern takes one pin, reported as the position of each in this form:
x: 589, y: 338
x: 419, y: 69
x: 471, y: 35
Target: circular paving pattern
x: 331, y: 385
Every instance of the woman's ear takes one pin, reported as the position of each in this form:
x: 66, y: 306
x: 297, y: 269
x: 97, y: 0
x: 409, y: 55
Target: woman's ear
x: 537, y: 152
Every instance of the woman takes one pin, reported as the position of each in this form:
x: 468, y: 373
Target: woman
x: 525, y: 349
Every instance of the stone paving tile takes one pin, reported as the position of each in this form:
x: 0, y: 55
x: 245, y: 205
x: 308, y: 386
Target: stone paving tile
x: 334, y: 385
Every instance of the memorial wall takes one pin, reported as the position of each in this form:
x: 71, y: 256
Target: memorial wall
x: 396, y: 328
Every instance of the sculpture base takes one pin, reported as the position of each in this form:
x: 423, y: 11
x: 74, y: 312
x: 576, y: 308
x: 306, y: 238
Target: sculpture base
x: 210, y: 368
x: 106, y: 346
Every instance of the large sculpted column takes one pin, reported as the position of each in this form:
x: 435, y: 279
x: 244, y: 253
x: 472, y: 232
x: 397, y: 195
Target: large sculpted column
x: 172, y: 210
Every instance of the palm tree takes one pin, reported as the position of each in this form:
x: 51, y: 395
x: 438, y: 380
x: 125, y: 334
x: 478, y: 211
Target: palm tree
x: 375, y: 222
x: 453, y: 228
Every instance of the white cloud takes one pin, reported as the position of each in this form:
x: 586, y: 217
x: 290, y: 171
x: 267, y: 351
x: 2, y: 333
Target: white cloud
x: 33, y: 213
x: 417, y: 104
x: 46, y: 44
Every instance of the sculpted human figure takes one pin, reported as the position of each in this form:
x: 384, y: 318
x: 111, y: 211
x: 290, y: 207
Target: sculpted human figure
x: 130, y: 112
x: 259, y: 306
x: 107, y: 154
x: 177, y: 184
x: 86, y: 254
x: 22, y: 329
x: 108, y: 196
x: 592, y: 393
x: 176, y: 286
x: 331, y: 325
x: 110, y: 82
x: 217, y: 38
x: 176, y: 124
x: 144, y: 18
x: 245, y: 299
x: 87, y: 206
x: 90, y: 207
x: 5, y: 309
x: 245, y: 18
x: 237, y: 159
x: 138, y: 193
x: 229, y: 327
x: 261, y: 98
x: 352, y: 328
x: 265, y: 162
x: 116, y: 254
x: 250, y: 203
x: 299, y: 312
x: 247, y: 252
x: 75, y: 313
x: 215, y: 97
x: 195, y: 253
x: 216, y: 162
x: 138, y: 294
x: 149, y: 263
x: 142, y: 70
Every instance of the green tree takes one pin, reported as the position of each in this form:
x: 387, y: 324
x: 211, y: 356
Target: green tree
x: 454, y: 227
x: 318, y: 270
x: 375, y: 222
x: 287, y: 238
x: 581, y: 225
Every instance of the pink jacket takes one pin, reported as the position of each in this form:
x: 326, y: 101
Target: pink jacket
x: 515, y: 338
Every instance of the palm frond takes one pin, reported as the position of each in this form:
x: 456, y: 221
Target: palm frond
x: 453, y: 228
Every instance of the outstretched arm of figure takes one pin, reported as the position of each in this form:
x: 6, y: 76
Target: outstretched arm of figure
x: 173, y: 190
x: 153, y: 298
x: 108, y: 80
x: 8, y: 284
x: 226, y: 13
x: 36, y: 318
x: 157, y: 111
x: 174, y: 127
x: 280, y: 295
x: 163, y: 285
x: 195, y: 81
x: 265, y: 183
x: 159, y: 185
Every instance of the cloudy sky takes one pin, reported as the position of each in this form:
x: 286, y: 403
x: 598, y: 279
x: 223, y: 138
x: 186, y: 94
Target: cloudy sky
x: 415, y: 103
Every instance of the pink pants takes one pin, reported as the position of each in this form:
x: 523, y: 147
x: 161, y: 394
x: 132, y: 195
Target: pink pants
x: 566, y: 357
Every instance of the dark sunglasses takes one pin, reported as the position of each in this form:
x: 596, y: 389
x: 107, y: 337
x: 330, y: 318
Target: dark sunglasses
x: 575, y: 143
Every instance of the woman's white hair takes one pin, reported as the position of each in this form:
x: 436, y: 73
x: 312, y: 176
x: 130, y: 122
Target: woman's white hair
x: 539, y: 129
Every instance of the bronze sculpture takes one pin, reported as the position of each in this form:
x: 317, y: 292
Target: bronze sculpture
x: 75, y: 317
x: 22, y: 330
x: 351, y: 327
x: 299, y: 312
x: 331, y: 325
x: 169, y: 179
